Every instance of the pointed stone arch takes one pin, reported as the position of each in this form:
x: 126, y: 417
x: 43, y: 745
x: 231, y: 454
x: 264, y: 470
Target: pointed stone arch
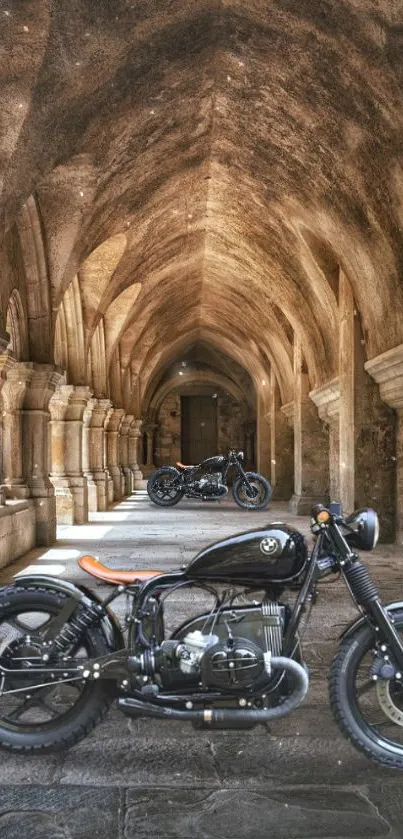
x: 16, y: 326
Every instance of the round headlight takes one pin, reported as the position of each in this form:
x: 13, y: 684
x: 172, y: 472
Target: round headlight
x: 240, y: 455
x: 363, y: 526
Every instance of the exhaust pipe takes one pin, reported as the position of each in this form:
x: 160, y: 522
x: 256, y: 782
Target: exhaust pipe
x: 222, y: 717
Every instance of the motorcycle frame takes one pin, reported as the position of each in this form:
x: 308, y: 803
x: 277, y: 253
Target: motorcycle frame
x: 121, y: 663
x: 231, y: 460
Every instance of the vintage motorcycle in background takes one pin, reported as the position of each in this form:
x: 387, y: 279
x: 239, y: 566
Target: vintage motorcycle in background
x: 64, y: 656
x: 208, y: 481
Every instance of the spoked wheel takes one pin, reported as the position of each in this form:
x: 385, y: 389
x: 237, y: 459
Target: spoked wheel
x: 164, y: 488
x: 368, y: 711
x: 44, y: 711
x: 254, y: 494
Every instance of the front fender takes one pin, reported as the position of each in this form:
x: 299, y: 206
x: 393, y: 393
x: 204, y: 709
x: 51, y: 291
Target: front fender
x: 359, y: 622
x: 109, y: 623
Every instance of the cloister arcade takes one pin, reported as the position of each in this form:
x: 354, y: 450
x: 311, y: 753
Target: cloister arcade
x: 199, y: 200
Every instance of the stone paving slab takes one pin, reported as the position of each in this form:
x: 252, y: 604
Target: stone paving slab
x: 296, y: 778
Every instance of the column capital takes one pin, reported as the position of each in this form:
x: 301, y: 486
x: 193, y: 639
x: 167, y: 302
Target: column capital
x: 114, y: 419
x: 59, y: 401
x: 44, y: 380
x: 99, y: 409
x: 327, y: 400
x: 126, y: 423
x: 7, y: 361
x: 387, y: 371
x: 288, y: 411
x: 135, y: 428
x: 17, y: 380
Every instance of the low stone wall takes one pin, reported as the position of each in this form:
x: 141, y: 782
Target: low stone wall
x: 17, y: 530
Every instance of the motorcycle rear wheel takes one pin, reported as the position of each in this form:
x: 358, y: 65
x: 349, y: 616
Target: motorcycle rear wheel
x: 260, y: 495
x: 45, y: 719
x: 160, y: 489
x: 368, y: 712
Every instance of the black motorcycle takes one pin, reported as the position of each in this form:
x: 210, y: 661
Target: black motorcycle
x: 208, y: 481
x: 63, y: 657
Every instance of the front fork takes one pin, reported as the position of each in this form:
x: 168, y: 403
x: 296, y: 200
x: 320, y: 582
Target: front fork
x: 366, y: 595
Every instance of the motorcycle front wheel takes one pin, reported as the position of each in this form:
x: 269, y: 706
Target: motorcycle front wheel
x: 254, y: 497
x: 41, y: 712
x: 369, y: 712
x: 162, y: 487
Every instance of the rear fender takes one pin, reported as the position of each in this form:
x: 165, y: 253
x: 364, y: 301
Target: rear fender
x: 359, y: 622
x: 108, y: 622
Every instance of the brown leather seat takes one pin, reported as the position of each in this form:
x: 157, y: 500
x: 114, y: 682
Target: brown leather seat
x: 182, y: 465
x: 112, y: 575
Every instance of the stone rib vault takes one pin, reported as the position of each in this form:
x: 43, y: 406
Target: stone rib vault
x: 214, y: 185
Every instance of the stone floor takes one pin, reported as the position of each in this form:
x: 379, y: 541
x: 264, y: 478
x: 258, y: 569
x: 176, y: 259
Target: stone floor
x: 297, y: 779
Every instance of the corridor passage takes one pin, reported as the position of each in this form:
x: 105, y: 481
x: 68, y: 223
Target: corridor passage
x: 158, y: 780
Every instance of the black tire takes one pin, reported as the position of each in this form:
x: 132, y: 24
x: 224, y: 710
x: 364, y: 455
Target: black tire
x: 66, y: 728
x: 156, y: 491
x: 240, y: 493
x: 351, y: 703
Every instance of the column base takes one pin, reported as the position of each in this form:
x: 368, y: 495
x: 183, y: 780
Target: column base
x: 148, y: 469
x: 128, y: 475
x: 71, y: 495
x: 137, y: 478
x: 17, y: 492
x: 116, y: 476
x: 45, y: 519
x: 97, y: 492
x: 301, y: 505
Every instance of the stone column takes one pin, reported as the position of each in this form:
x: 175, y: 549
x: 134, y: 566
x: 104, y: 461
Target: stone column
x: 13, y: 395
x: 248, y: 432
x: 6, y: 362
x: 282, y: 446
x: 94, y: 453
x: 112, y: 427
x: 36, y: 448
x: 327, y: 401
x: 347, y: 391
x: 149, y: 465
x: 387, y: 370
x: 67, y: 407
x: 263, y: 452
x: 134, y: 442
x: 311, y: 444
x: 124, y: 453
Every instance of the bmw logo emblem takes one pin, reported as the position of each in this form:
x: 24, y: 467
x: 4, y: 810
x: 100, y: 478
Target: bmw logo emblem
x: 269, y: 546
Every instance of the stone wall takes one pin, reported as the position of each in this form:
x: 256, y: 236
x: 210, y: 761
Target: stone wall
x: 17, y: 530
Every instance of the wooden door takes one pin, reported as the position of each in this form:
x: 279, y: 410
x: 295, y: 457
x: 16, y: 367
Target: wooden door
x: 199, y: 428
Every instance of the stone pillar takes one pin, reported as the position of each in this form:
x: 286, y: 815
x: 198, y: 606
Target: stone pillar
x: 248, y: 446
x: 311, y: 444
x: 67, y: 407
x: 7, y: 360
x: 112, y: 427
x: 36, y: 448
x: 94, y: 453
x: 327, y: 401
x: 149, y: 465
x: 282, y: 447
x: 263, y: 453
x: 124, y: 453
x: 387, y: 371
x: 134, y: 442
x: 347, y: 341
x: 13, y: 394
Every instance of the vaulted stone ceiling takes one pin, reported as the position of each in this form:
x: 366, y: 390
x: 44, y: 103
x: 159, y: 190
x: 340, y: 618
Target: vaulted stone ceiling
x: 203, y: 167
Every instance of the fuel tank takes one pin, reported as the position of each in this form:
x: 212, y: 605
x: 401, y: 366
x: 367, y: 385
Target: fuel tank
x: 213, y: 464
x: 275, y: 554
